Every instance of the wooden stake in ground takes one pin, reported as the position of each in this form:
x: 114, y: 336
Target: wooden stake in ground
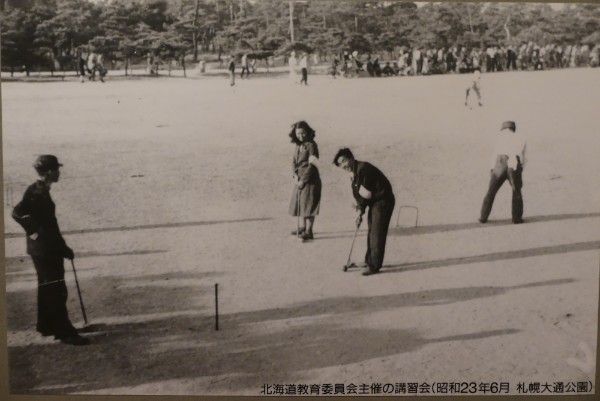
x: 216, y: 306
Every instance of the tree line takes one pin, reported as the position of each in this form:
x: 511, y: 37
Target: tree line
x: 48, y: 34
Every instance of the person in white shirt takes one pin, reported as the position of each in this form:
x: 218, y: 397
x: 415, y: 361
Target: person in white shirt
x: 475, y: 85
x: 508, y: 161
x: 293, y: 64
x: 245, y: 66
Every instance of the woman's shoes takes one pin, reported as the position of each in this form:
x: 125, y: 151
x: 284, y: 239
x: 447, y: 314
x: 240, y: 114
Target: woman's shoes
x: 74, y: 339
x: 307, y: 236
x: 302, y: 233
x: 299, y: 232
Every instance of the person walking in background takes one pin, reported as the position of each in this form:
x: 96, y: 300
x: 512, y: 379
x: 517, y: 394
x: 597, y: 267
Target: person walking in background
x: 508, y: 161
x: 306, y: 196
x: 334, y: 67
x: 231, y: 70
x: 416, y: 62
x: 373, y: 190
x: 475, y: 85
x: 595, y: 56
x: 450, y: 61
x: 293, y: 65
x: 100, y: 67
x: 81, y: 64
x: 47, y: 248
x: 245, y: 66
x: 511, y: 59
x: 91, y: 65
x: 304, y: 68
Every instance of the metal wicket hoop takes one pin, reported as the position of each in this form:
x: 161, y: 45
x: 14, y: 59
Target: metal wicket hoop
x: 408, y: 207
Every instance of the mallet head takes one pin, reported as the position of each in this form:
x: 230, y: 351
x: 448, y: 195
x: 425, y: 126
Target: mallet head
x: 346, y: 267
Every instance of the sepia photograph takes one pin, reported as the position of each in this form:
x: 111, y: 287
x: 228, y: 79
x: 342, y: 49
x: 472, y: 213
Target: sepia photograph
x: 279, y: 198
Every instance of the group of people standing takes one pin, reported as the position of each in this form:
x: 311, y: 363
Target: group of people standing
x: 296, y: 66
x: 528, y: 56
x: 417, y: 61
x: 246, y: 64
x: 371, y: 189
x: 90, y: 65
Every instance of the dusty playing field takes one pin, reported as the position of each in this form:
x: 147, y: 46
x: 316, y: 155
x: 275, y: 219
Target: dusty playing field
x: 170, y: 186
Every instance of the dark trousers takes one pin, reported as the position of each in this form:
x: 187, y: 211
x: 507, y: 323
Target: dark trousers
x: 512, y: 63
x: 304, y: 76
x: 246, y: 70
x: 380, y: 214
x: 52, y: 316
x: 497, y: 178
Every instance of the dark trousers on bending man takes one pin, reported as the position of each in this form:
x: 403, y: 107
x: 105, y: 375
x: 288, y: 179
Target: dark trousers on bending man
x: 52, y: 317
x: 498, y: 175
x: 379, y: 216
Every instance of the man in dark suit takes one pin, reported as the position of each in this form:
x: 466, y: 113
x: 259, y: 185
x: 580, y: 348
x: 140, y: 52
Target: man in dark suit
x: 47, y: 248
x: 373, y: 190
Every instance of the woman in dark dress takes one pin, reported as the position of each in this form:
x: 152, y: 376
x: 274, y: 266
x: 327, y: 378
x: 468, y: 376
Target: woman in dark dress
x: 306, y: 195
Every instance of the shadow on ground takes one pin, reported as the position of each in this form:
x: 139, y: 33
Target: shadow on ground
x: 493, y: 257
x: 395, y: 230
x: 468, y: 226
x: 15, y: 263
x: 250, y: 349
x: 149, y: 226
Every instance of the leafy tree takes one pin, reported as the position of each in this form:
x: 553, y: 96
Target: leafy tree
x: 168, y: 46
x: 154, y: 14
x: 118, y: 22
x: 71, y: 24
x: 37, y: 32
x: 356, y: 42
x: 19, y: 45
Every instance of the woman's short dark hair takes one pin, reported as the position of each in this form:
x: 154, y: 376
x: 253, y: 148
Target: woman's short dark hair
x: 310, y: 133
x: 342, y: 152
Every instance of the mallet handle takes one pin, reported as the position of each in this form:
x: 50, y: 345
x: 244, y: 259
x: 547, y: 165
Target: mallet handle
x: 79, y: 293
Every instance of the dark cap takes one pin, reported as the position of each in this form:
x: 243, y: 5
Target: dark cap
x: 509, y: 124
x: 45, y: 163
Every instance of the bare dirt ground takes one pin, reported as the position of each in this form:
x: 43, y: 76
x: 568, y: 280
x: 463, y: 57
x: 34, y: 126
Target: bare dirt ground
x: 170, y: 186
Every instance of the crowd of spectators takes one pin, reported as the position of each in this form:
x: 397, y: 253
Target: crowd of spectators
x: 417, y: 61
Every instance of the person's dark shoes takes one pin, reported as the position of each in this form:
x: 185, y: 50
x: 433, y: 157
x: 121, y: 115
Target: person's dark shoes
x: 45, y: 332
x: 307, y: 236
x: 75, y: 340
x: 519, y: 221
x: 483, y: 221
x: 299, y: 232
x: 369, y: 272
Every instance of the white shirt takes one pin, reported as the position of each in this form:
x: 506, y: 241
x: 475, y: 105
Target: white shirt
x: 510, y: 144
x: 304, y: 62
